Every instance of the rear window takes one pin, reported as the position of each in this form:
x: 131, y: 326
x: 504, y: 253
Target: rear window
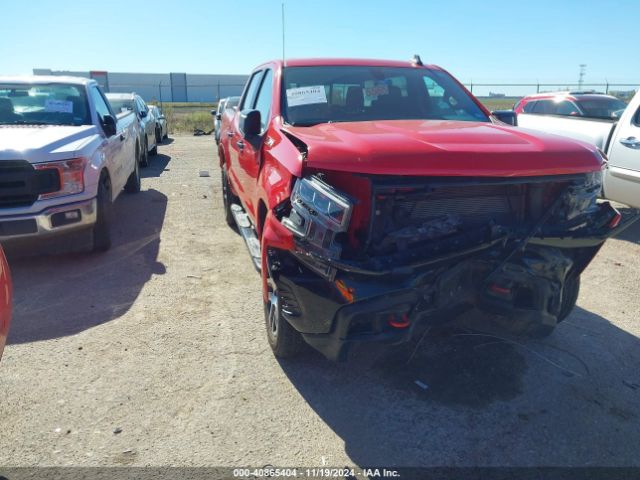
x: 601, y: 107
x: 51, y: 104
x: 588, y: 107
x: 122, y: 105
x: 323, y: 94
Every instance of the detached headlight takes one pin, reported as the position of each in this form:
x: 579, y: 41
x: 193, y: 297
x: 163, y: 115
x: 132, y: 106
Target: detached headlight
x: 70, y: 174
x: 581, y: 198
x: 593, y: 180
x: 318, y: 213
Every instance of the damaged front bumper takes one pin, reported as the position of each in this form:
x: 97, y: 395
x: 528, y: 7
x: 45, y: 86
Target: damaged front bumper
x: 385, y: 299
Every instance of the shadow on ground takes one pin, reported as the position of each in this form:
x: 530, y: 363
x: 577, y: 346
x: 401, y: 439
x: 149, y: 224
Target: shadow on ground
x: 467, y: 399
x: 157, y: 165
x: 56, y: 295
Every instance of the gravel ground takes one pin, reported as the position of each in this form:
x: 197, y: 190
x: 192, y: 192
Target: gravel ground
x: 155, y: 354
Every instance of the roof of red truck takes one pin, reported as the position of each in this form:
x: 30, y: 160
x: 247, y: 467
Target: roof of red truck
x: 366, y: 62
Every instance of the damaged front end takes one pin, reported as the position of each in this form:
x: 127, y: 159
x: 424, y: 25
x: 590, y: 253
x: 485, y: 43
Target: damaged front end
x: 381, y: 256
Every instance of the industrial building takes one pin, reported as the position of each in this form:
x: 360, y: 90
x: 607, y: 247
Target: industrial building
x: 165, y: 87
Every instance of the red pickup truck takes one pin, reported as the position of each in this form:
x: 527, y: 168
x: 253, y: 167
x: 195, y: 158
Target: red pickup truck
x: 378, y: 198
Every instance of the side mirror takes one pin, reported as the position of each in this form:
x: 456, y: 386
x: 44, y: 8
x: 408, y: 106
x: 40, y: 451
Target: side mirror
x: 250, y: 122
x: 109, y: 125
x: 506, y: 116
x: 218, y: 116
x: 213, y: 112
x: 143, y: 114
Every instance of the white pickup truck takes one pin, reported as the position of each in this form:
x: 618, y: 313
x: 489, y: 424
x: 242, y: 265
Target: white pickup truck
x: 617, y: 136
x: 65, y: 156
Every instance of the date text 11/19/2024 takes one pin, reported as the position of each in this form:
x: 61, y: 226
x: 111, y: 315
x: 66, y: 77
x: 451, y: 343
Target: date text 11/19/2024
x: 320, y: 472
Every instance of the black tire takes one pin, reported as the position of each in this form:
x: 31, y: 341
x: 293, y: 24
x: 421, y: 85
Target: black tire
x: 102, y: 228
x: 284, y: 340
x: 166, y: 135
x: 133, y: 182
x: 569, y: 296
x: 158, y: 135
x: 154, y: 150
x: 144, y: 155
x: 228, y: 198
x: 569, y: 299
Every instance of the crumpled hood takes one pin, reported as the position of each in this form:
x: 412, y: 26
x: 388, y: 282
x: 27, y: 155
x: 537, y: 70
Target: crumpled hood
x: 442, y: 148
x: 43, y: 143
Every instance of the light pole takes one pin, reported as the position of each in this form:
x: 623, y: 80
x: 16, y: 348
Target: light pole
x: 583, y: 72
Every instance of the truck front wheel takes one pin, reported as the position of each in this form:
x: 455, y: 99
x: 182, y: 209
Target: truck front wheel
x: 285, y: 341
x: 228, y: 199
x: 569, y: 296
x: 569, y: 299
x: 133, y: 182
x: 144, y: 155
x: 102, y: 227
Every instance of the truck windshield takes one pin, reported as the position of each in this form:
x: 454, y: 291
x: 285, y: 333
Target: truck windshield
x: 46, y: 104
x: 601, y: 107
x: 121, y: 105
x: 313, y: 95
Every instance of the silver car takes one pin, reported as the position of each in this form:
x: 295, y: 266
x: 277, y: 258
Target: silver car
x: 162, y: 129
x: 121, y: 102
x: 217, y: 118
x: 223, y: 105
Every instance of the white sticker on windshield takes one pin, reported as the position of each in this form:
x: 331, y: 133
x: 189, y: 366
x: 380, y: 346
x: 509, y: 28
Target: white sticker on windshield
x: 306, y: 95
x: 58, y: 106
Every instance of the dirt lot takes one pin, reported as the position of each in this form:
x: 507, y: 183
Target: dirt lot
x: 155, y: 354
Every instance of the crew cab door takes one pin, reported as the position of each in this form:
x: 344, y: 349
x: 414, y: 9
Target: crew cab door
x: 250, y: 150
x: 114, y: 147
x: 622, y: 177
x: 244, y: 152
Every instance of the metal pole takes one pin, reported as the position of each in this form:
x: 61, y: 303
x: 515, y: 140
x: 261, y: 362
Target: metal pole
x: 218, y: 90
x: 160, y: 93
x: 583, y: 72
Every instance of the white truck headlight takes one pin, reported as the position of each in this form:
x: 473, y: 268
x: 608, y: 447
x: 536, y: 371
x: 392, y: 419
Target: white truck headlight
x: 70, y: 173
x: 318, y: 213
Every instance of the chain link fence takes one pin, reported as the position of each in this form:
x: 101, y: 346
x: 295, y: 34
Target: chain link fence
x: 623, y: 91
x: 209, y: 93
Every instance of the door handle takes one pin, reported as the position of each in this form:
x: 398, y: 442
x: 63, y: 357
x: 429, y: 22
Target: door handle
x: 631, y: 142
x: 240, y: 144
x: 229, y: 134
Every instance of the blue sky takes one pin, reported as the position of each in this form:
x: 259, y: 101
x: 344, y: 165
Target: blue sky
x: 483, y: 41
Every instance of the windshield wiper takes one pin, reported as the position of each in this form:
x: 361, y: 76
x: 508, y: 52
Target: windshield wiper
x: 25, y: 122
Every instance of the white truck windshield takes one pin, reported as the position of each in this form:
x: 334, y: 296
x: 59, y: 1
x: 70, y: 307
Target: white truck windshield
x: 48, y: 104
